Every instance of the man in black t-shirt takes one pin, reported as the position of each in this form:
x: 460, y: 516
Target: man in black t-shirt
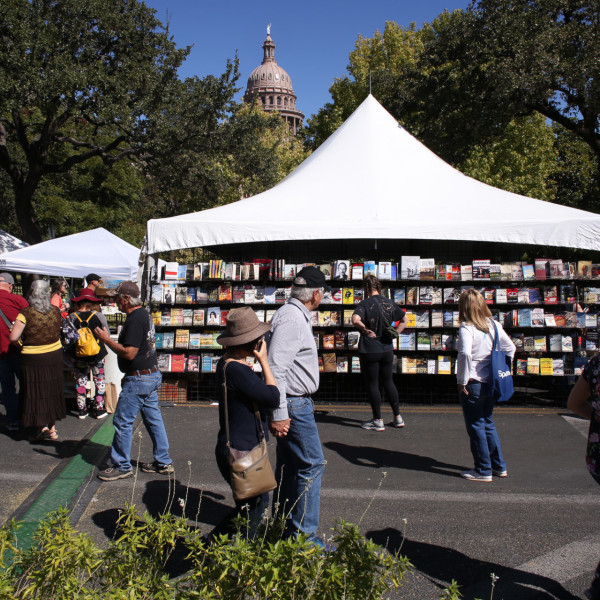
x: 137, y: 359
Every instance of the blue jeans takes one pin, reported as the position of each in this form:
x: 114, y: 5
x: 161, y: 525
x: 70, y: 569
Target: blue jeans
x: 485, y: 445
x: 139, y: 394
x: 10, y: 367
x: 299, y: 469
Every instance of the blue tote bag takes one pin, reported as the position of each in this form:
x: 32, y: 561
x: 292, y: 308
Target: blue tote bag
x: 501, y: 381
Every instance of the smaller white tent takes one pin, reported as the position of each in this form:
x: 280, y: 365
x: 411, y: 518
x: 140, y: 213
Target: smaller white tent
x: 76, y: 255
x: 8, y: 242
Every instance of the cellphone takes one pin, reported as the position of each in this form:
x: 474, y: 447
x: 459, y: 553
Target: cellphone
x: 259, y: 344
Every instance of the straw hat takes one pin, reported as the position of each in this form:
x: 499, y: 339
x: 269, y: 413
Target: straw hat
x: 242, y: 326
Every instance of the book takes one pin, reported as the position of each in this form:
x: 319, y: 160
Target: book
x: 444, y: 365
x: 412, y: 295
x: 213, y: 316
x: 157, y: 293
x: 158, y: 341
x: 194, y: 342
x: 427, y: 268
x: 528, y: 272
x: 336, y: 295
x: 353, y: 339
x: 168, y: 290
x: 558, y: 366
x: 176, y: 316
x: 328, y: 341
x: 466, y: 272
x: 584, y: 269
x: 534, y: 296
x: 556, y: 269
x: 506, y: 271
x: 188, y: 316
x: 501, y: 296
x: 537, y: 317
x: 357, y: 271
x: 384, y: 271
x: 425, y: 294
x: 407, y: 340
x: 399, y: 296
x: 192, y: 364
x: 495, y: 271
x: 341, y: 270
x: 546, y: 366
x: 329, y: 362
x: 549, y: 320
x: 481, y: 269
x: 447, y: 341
x: 348, y: 295
x: 437, y: 318
x: 533, y: 365
x: 422, y: 318
x: 198, y: 317
x: 542, y: 269
x: 550, y: 294
x: 182, y: 338
x: 342, y: 364
x: 355, y: 364
x: 436, y: 341
x: 170, y: 270
x: 539, y: 343
x: 524, y: 317
x: 521, y: 366
x: 339, y: 339
x: 410, y: 267
x: 423, y: 340
x: 225, y: 293
x: 163, y: 361
x: 177, y: 363
x: 566, y: 343
x: 555, y: 342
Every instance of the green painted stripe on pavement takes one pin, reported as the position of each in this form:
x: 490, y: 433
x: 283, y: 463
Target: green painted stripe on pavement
x: 63, y: 488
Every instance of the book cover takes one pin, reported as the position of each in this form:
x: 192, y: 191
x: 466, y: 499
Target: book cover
x: 176, y: 316
x: 437, y: 295
x: 506, y: 271
x: 201, y: 295
x: 182, y: 271
x: 495, y: 271
x: 182, y: 338
x: 422, y: 318
x: 423, y: 340
x: 591, y: 340
x: 436, y: 341
x: 539, y: 343
x: 188, y: 316
x: 342, y: 364
x: 584, y: 269
x: 444, y: 365
x: 193, y: 364
x: 289, y: 271
x: 569, y: 319
x: 358, y: 295
x: 516, y: 271
x: 198, y: 271
x: 168, y: 340
x: 355, y: 364
x: 280, y: 295
x: 517, y: 340
x: 353, y: 338
x: 225, y: 293
x: 591, y: 319
x: 440, y: 272
x: 537, y: 317
x: 555, y: 342
x: 501, y: 296
x: 249, y: 294
x: 534, y: 296
x: 407, y: 340
x: 198, y: 317
x: 259, y: 294
x: 556, y: 269
x: 194, y: 342
x: 223, y: 317
x: 357, y: 271
x: 566, y: 343
x: 542, y: 269
x: 212, y: 294
x: 347, y: 318
x: 512, y: 295
x: 412, y: 295
x: 329, y: 362
x: 466, y: 272
x: 324, y: 318
x: 550, y: 294
x: 206, y: 363
x: 328, y: 341
x: 568, y: 293
x: 369, y: 268
x: 533, y: 365
x: 269, y: 314
x: 336, y: 295
x: 431, y: 366
x: 489, y: 295
x: 163, y: 360
x: 157, y: 293
x: 384, y: 271
x: 409, y: 365
x: 168, y: 293
x: 521, y: 366
x: 399, y: 296
x: 341, y: 270
x: 158, y: 341
x: 595, y: 270
x: 425, y: 294
x: 180, y: 294
x: 335, y: 318
x: 528, y: 343
x: 523, y: 295
x: 177, y: 363
x: 170, y: 270
x: 394, y: 276
x: 481, y: 269
x: 447, y: 341
x: 157, y: 317
x: 437, y: 318
x: 339, y: 339
x: 165, y: 316
x: 549, y: 320
x: 213, y: 316
x: 410, y: 267
x: 528, y: 272
x: 579, y: 363
x: 427, y: 268
x: 546, y: 366
x: 270, y: 294
x: 524, y: 317
x: 558, y: 366
x: 348, y: 295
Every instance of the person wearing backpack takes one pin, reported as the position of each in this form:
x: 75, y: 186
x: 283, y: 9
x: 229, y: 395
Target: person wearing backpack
x: 88, y: 354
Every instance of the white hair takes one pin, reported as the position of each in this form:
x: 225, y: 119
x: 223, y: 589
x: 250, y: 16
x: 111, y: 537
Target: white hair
x: 39, y: 296
x: 304, y: 294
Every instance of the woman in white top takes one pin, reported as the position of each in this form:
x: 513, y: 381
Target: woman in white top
x: 475, y: 341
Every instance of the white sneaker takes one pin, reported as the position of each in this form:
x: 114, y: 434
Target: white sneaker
x: 374, y: 425
x: 473, y: 475
x: 497, y: 473
x: 398, y: 421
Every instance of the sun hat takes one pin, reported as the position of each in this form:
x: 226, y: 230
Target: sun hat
x: 86, y: 294
x: 310, y: 277
x: 242, y: 326
x: 125, y: 288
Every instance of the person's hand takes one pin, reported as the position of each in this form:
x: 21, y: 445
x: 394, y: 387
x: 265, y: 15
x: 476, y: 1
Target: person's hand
x: 280, y: 428
x: 261, y: 351
x: 102, y: 333
x: 370, y: 333
x: 462, y: 389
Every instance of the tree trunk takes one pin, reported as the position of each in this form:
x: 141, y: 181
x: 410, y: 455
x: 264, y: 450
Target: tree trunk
x: 26, y: 217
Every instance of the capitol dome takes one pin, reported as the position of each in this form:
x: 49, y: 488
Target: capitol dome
x: 272, y: 86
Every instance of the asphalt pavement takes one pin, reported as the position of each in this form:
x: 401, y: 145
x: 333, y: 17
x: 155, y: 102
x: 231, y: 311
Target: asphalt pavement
x: 535, y: 530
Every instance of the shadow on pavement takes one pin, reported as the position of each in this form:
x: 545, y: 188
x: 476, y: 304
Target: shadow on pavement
x: 445, y: 564
x: 369, y: 456
x: 324, y: 416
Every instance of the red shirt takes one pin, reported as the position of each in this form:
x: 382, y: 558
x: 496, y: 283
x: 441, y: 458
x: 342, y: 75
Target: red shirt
x: 11, y: 306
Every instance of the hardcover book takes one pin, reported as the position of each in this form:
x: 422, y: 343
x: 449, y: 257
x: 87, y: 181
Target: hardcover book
x: 193, y: 364
x: 384, y: 271
x: 342, y: 364
x: 198, y: 317
x: 194, y: 340
x: 213, y: 316
x: 369, y: 268
x: 358, y: 295
x: 539, y: 343
x: 168, y: 293
x: 165, y: 316
x: 270, y: 294
x: 181, y: 294
x: 556, y: 342
x: 501, y: 296
x: 357, y: 271
x: 177, y: 316
x: 407, y: 340
x: 558, y: 366
x: 339, y: 339
x: 550, y: 294
x: 542, y: 268
x: 436, y: 341
x: 437, y: 318
x: 528, y: 272
x: 423, y: 340
x: 188, y: 316
x: 533, y: 365
x: 481, y: 269
x: 329, y: 362
x: 549, y: 320
x: 556, y: 269
x: 163, y: 360
x: 546, y: 366
x: 537, y: 317
x: 584, y: 269
x: 567, y: 343
x: 412, y: 295
x: 177, y: 363
x: 348, y: 295
x: 336, y: 295
x: 534, y: 296
x: 328, y: 341
x: 410, y: 267
x: 399, y: 296
x: 341, y: 270
x: 466, y: 272
x: 225, y: 293
x: 353, y: 340
x: 495, y: 271
x: 427, y: 268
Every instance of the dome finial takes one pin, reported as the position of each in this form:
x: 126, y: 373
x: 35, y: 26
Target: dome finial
x: 269, y: 29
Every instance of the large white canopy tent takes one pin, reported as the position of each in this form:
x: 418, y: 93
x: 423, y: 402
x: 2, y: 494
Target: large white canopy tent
x: 76, y: 255
x: 373, y: 180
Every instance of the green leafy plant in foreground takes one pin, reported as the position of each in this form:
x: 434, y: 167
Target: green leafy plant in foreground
x: 65, y: 563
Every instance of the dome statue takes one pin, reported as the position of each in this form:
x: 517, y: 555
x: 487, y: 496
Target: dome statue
x: 271, y: 85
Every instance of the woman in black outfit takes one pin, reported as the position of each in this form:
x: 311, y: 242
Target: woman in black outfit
x: 245, y: 390
x: 375, y: 351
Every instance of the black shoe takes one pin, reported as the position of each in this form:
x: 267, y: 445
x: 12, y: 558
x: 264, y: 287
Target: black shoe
x: 83, y: 414
x: 100, y: 414
x: 111, y: 474
x: 155, y: 467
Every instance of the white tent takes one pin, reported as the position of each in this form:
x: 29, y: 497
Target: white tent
x: 373, y: 180
x: 8, y: 242
x: 76, y: 255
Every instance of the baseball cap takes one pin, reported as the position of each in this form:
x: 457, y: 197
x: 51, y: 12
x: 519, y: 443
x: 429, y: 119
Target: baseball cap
x: 125, y: 288
x: 92, y: 277
x: 310, y: 277
x: 7, y: 278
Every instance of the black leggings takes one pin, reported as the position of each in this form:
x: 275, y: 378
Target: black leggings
x: 375, y: 366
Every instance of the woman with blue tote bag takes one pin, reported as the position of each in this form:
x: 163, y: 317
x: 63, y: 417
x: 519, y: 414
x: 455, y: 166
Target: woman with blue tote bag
x: 476, y: 338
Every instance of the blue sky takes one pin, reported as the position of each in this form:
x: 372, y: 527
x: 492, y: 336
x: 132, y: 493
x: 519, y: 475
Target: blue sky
x: 313, y: 38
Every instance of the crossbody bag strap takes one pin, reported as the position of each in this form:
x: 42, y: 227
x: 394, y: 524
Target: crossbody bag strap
x: 225, y: 406
x: 496, y: 344
x: 5, y: 319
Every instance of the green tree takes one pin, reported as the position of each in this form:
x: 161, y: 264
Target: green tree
x: 80, y: 80
x: 506, y: 58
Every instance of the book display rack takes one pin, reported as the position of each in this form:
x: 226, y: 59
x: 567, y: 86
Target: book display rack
x: 548, y: 307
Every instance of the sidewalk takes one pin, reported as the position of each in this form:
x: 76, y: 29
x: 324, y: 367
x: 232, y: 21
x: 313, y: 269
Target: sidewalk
x: 536, y: 529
